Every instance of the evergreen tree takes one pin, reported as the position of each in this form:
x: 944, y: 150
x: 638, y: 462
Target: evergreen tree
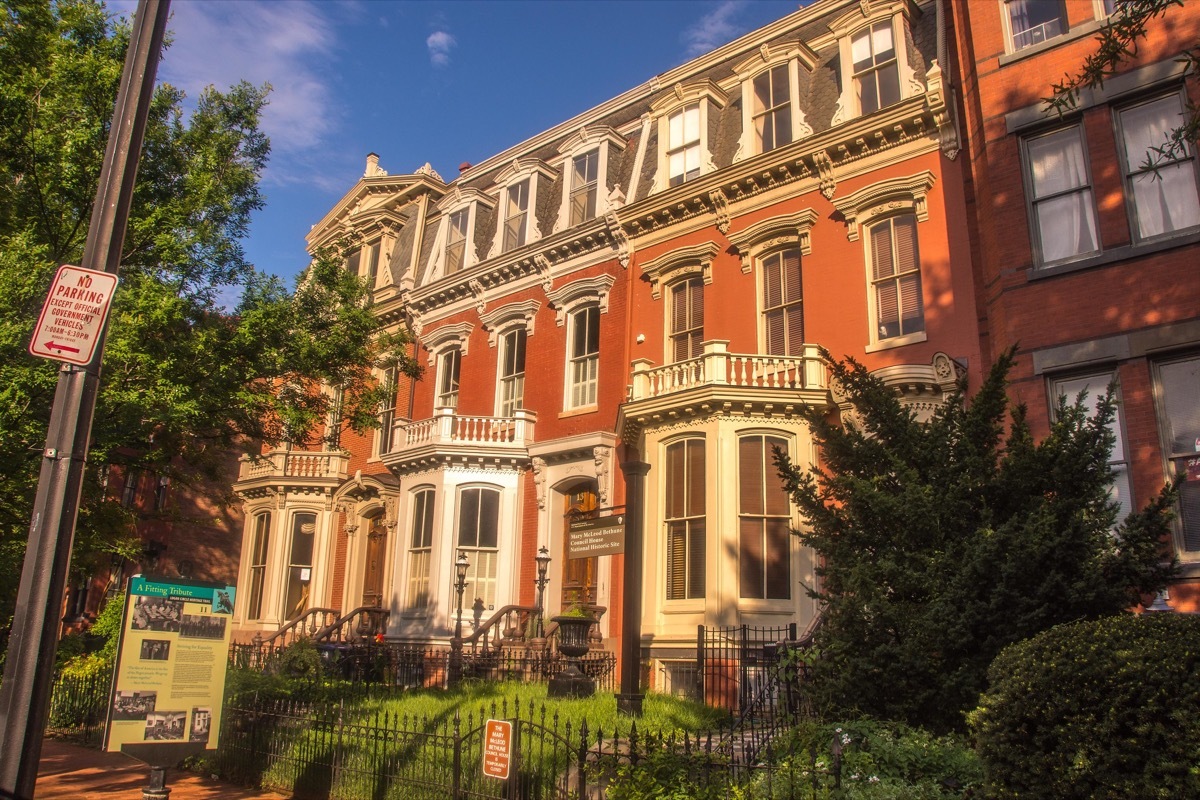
x: 942, y: 542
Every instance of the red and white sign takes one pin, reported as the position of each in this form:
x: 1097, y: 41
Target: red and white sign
x: 73, y: 315
x: 497, y: 748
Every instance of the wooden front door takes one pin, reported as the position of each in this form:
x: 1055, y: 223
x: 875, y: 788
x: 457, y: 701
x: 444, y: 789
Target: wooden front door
x: 579, y: 574
x: 373, y: 567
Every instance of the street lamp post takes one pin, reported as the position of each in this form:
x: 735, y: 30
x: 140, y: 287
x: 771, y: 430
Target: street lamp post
x: 456, y: 646
x: 543, y: 563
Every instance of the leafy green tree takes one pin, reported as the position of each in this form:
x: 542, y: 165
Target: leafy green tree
x: 183, y: 378
x: 942, y: 542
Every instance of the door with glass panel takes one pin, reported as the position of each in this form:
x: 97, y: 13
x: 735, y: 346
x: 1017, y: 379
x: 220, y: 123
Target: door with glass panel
x: 579, y: 574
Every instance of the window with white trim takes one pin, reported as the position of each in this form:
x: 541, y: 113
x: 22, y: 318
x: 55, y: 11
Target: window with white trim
x: 684, y: 516
x: 683, y: 144
x: 1179, y: 427
x: 876, y: 70
x: 296, y: 599
x: 387, y: 417
x: 1160, y: 182
x: 1032, y: 22
x: 772, y: 109
x: 478, y: 526
x: 1092, y: 388
x: 583, y: 356
x: 686, y: 307
x: 449, y: 366
x: 258, y: 564
x: 585, y: 170
x: 516, y: 215
x: 420, y: 549
x: 764, y: 521
x: 129, y: 490
x: 898, y: 307
x: 456, y: 240
x: 512, y: 372
x: 1063, y: 209
x: 782, y: 303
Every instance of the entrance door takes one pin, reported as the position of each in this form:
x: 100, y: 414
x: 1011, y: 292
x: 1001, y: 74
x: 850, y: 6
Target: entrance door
x: 579, y: 574
x: 373, y: 567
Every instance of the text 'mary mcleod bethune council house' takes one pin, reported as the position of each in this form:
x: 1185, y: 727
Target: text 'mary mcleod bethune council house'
x: 652, y: 280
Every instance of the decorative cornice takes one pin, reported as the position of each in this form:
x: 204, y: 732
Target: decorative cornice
x: 936, y: 95
x: 680, y: 261
x: 773, y: 231
x: 619, y: 239
x: 720, y: 205
x: 493, y: 320
x: 886, y: 197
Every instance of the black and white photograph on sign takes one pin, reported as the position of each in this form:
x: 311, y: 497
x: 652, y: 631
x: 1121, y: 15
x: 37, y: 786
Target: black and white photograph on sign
x: 201, y: 724
x: 156, y: 649
x: 165, y: 725
x: 157, y: 614
x: 133, y: 705
x: 196, y: 626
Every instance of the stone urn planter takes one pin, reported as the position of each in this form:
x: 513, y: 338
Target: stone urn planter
x: 573, y: 643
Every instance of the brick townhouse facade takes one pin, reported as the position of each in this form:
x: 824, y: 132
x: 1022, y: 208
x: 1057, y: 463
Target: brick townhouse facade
x: 650, y: 282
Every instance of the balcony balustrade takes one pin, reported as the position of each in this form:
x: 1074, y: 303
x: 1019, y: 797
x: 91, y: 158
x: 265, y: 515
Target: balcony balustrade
x: 317, y: 469
x: 716, y: 366
x: 447, y: 433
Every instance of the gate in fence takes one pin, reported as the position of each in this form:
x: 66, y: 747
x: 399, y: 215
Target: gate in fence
x: 733, y: 662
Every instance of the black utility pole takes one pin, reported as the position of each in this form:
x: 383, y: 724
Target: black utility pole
x: 629, y: 701
x: 29, y: 669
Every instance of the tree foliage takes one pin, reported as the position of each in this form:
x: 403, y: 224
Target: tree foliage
x: 942, y: 542
x: 1117, y: 43
x: 183, y: 378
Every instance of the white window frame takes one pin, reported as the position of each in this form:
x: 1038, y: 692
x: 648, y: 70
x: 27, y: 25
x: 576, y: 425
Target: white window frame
x: 1180, y: 170
x: 604, y: 141
x: 583, y: 368
x: 466, y: 200
x: 1083, y: 191
x: 790, y: 348
x: 764, y: 60
x: 876, y: 69
x: 418, y: 595
x: 387, y: 414
x: 1096, y: 384
x: 567, y: 301
x: 689, y: 337
x: 291, y: 563
x: 439, y: 342
x: 853, y: 23
x: 1010, y: 35
x: 475, y: 553
x: 707, y: 97
x: 764, y: 518
x: 510, y: 386
x: 449, y: 370
x: 873, y: 283
x: 694, y: 586
x: 259, y: 558
x: 528, y: 171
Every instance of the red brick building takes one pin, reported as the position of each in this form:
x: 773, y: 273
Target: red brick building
x: 1083, y: 260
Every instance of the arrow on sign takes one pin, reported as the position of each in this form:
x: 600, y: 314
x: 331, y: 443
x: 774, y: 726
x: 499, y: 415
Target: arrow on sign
x: 50, y: 345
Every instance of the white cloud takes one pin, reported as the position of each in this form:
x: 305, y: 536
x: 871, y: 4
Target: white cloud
x: 718, y: 27
x: 439, y: 44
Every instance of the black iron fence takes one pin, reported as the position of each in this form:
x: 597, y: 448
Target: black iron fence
x: 335, y: 750
x: 79, y: 706
x: 409, y: 666
x: 734, y: 663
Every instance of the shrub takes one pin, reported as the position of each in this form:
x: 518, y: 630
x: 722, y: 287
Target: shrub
x: 1102, y: 709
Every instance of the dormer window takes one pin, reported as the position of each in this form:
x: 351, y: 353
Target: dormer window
x: 684, y: 133
x: 683, y: 144
x: 584, y: 172
x: 772, y: 108
x: 516, y: 215
x: 873, y: 59
x: 456, y: 240
x: 876, y: 74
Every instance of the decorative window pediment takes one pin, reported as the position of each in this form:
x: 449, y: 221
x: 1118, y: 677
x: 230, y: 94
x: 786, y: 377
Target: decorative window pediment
x: 507, y: 314
x: 774, y: 232
x: 585, y: 290
x: 771, y: 114
x: 678, y: 263
x: 892, y: 196
x: 456, y: 335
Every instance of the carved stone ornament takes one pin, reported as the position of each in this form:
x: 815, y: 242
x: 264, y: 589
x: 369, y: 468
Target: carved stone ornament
x: 391, y: 508
x: 824, y: 165
x: 943, y: 112
x: 721, y: 208
x: 620, y: 240
x: 602, y: 457
x: 539, y: 479
x: 428, y: 170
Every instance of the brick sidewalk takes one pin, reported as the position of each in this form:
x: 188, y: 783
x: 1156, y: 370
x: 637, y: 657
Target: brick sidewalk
x: 71, y: 772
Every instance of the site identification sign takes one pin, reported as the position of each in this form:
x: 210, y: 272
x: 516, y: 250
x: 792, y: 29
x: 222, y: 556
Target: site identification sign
x: 602, y: 536
x: 171, y: 661
x: 497, y: 748
x: 74, y: 314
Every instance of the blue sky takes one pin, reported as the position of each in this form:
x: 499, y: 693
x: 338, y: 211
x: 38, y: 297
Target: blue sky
x: 416, y: 82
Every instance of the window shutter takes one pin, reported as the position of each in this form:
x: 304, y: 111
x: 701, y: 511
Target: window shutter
x: 795, y: 331
x: 886, y: 304
x: 695, y: 478
x: 910, y: 299
x: 750, y: 559
x: 881, y: 251
x: 676, y: 560
x: 468, y: 518
x: 750, y: 474
x: 489, y: 516
x: 776, y: 497
x: 696, y: 558
x: 793, y: 291
x: 772, y: 282
x: 906, y: 244
x: 778, y: 560
x: 776, y: 343
x: 674, y: 479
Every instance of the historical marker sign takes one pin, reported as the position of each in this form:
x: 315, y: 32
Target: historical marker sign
x: 603, y: 536
x: 74, y: 314
x: 497, y: 748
